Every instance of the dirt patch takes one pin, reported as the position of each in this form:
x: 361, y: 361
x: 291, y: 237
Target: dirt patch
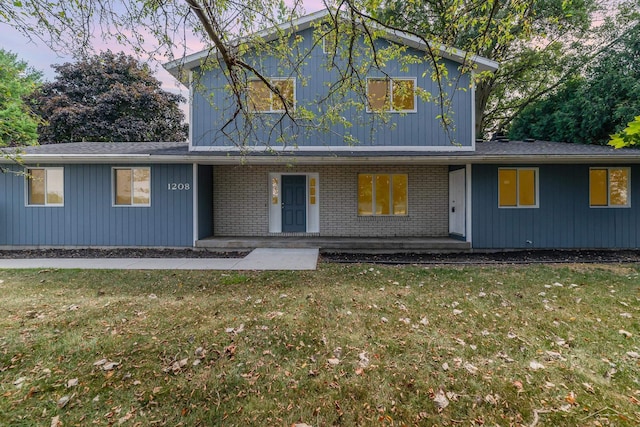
x: 119, y: 253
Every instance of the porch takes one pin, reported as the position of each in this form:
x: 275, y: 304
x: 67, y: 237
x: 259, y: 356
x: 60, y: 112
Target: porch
x: 340, y: 244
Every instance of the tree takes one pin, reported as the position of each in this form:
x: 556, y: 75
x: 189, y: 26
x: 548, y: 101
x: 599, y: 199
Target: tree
x: 18, y: 124
x: 107, y: 97
x: 593, y: 106
x: 630, y: 136
x: 539, y: 44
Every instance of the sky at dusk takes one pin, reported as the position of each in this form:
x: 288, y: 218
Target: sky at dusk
x: 40, y: 57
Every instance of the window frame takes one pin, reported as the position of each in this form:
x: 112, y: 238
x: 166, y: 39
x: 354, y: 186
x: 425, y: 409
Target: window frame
x: 28, y: 186
x: 114, y: 188
x: 373, y: 195
x: 536, y: 183
x: 329, y: 34
x: 609, y: 205
x: 271, y: 95
x: 390, y: 81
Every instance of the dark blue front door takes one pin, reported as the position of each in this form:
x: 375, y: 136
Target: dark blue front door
x: 294, y: 203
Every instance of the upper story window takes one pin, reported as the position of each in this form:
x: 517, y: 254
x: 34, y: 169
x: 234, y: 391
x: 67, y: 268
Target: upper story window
x: 518, y: 187
x: 45, y: 187
x: 263, y: 100
x: 329, y: 40
x: 609, y: 187
x: 382, y: 194
x: 132, y: 186
x: 391, y: 95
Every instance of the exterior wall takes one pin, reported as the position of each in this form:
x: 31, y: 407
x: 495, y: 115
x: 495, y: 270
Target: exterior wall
x: 213, y: 107
x: 563, y: 219
x: 88, y: 217
x: 241, y: 197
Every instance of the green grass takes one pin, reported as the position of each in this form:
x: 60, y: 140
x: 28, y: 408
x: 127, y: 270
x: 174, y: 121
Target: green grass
x: 344, y: 345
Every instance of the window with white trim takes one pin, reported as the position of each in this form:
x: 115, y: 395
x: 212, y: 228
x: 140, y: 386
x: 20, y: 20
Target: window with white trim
x: 609, y: 187
x: 45, y: 187
x: 518, y: 187
x: 262, y: 100
x: 391, y: 95
x: 382, y: 194
x: 132, y: 186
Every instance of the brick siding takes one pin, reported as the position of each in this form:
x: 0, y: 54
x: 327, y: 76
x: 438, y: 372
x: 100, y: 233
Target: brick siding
x: 241, y: 197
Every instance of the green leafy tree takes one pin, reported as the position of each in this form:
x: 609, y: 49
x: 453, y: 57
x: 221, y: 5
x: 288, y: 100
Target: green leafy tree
x: 18, y: 124
x: 630, y: 136
x: 109, y: 97
x: 593, y: 106
x: 539, y: 44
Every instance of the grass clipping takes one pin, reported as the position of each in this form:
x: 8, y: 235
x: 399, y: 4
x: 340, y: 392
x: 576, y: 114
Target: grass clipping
x: 344, y: 345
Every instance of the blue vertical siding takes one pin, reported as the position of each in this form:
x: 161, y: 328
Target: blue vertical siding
x: 88, y: 217
x: 563, y: 218
x: 214, y: 107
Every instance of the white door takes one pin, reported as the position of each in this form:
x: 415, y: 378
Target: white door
x: 457, y: 211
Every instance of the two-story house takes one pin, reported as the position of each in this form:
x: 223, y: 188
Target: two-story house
x: 384, y: 173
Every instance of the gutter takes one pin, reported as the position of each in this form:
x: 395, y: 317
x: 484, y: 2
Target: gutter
x: 235, y: 159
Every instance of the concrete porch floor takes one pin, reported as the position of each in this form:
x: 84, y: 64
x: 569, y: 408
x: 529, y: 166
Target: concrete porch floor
x: 340, y: 244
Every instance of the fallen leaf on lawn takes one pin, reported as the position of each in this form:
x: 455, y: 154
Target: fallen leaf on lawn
x: 535, y: 365
x: 633, y: 355
x: 491, y: 399
x: 424, y: 321
x: 62, y: 402
x: 470, y: 368
x: 333, y: 361
x: 55, y: 421
x: 300, y: 425
x: 72, y: 382
x: 100, y: 362
x: 571, y: 398
x: 502, y: 355
x: 518, y: 385
x: 626, y: 315
x: 626, y: 334
x: 588, y: 387
x: 384, y: 320
x: 445, y: 366
x: 359, y: 371
x: 405, y: 320
x: 548, y: 384
x: 440, y: 399
x: 109, y: 366
x: 363, y: 361
x: 554, y: 355
x: 457, y: 312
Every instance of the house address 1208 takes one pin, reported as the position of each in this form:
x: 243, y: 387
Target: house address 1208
x: 175, y: 186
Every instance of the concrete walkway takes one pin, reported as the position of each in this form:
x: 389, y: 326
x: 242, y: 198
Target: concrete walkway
x: 258, y: 259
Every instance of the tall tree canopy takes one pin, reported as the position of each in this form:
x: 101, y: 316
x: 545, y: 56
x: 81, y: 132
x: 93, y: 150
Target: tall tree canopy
x: 539, y: 44
x: 18, y: 124
x: 109, y: 97
x: 595, y: 104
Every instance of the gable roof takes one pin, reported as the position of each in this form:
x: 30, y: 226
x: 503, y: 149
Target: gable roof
x: 194, y: 60
x: 513, y: 152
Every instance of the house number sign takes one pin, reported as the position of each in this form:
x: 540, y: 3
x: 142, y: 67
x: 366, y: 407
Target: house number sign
x: 178, y: 186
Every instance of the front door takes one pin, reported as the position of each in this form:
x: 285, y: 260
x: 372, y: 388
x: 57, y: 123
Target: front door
x: 294, y: 203
x: 457, y: 196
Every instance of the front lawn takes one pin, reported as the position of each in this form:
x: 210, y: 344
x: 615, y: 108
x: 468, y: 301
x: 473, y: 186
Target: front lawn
x: 344, y: 345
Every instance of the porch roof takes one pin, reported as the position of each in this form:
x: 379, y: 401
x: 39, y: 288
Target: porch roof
x: 178, y: 152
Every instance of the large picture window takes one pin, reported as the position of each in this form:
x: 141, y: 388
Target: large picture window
x: 518, y: 187
x: 382, y: 194
x: 263, y: 100
x: 391, y: 95
x: 132, y: 186
x: 609, y: 187
x: 45, y: 187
